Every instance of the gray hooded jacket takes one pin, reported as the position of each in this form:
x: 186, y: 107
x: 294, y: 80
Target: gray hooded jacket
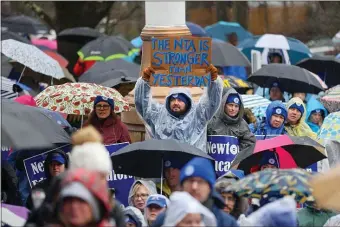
x: 150, y: 185
x: 222, y: 124
x: 189, y: 128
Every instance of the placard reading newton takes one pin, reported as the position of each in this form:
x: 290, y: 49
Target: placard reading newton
x: 180, y: 61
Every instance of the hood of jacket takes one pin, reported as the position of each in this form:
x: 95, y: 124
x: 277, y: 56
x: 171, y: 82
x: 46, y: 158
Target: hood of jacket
x: 314, y: 104
x: 182, y: 90
x: 48, y: 161
x: 221, y: 113
x: 269, y: 113
x: 136, y: 215
x: 301, y: 128
x: 150, y: 185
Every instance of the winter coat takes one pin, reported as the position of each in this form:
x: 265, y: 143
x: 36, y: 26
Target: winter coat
x: 82, y: 66
x: 310, y: 216
x: 312, y: 105
x: 113, y: 131
x: 222, y: 124
x: 301, y: 128
x: 9, y: 185
x: 265, y: 127
x: 150, y: 185
x: 216, y: 205
x: 189, y: 128
x: 44, y: 184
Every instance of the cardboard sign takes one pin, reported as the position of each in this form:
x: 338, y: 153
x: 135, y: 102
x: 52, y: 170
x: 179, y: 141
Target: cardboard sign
x: 34, y: 167
x: 224, y: 150
x: 180, y: 61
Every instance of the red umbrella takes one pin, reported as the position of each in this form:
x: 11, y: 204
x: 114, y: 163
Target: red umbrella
x: 292, y: 152
x: 60, y: 59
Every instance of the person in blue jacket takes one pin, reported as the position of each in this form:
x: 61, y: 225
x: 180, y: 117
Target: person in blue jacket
x: 273, y: 123
x: 316, y: 113
x: 198, y: 178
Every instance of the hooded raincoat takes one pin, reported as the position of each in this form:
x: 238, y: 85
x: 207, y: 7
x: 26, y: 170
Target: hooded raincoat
x: 301, y: 128
x: 189, y: 128
x: 150, y: 185
x: 310, y: 216
x: 312, y: 105
x: 136, y: 215
x: 222, y: 124
x: 265, y: 127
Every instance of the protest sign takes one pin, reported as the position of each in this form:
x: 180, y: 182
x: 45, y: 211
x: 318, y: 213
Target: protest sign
x: 180, y: 61
x: 5, y: 152
x: 34, y: 167
x: 224, y: 150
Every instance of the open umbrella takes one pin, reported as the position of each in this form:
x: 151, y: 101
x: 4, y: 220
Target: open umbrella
x: 295, y: 48
x: 253, y: 101
x: 101, y: 72
x: 107, y: 48
x: 330, y: 129
x: 25, y: 127
x: 235, y: 82
x: 276, y: 183
x: 77, y: 98
x: 331, y: 99
x: 31, y: 57
x: 145, y: 159
x: 292, y: 78
x: 291, y: 150
x: 225, y: 54
x: 222, y: 29
x: 79, y: 31
x: 24, y: 24
x: 327, y: 67
x: 196, y: 30
x: 10, y: 218
x: 11, y: 35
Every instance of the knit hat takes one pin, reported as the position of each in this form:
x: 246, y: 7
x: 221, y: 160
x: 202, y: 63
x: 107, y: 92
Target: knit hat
x: 234, y: 98
x: 91, y: 156
x: 172, y: 163
x: 269, y: 158
x: 109, y: 101
x: 280, y: 111
x: 181, y: 97
x: 299, y: 107
x: 276, y: 84
x: 78, y: 190
x: 199, y: 167
x: 318, y: 111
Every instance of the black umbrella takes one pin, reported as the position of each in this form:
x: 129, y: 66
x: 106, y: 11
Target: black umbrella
x: 327, y: 67
x: 81, y: 31
x: 291, y: 78
x: 10, y: 35
x: 24, y: 24
x: 106, y: 48
x: 225, y: 54
x: 25, y: 127
x: 104, y: 71
x: 145, y: 159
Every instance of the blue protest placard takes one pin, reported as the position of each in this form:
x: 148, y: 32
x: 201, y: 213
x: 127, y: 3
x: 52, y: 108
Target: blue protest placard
x: 180, y: 61
x: 5, y: 152
x: 34, y: 167
x: 224, y: 150
x: 264, y: 137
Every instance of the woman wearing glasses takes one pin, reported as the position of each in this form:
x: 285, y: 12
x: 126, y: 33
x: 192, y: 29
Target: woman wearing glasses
x: 108, y: 124
x: 139, y: 193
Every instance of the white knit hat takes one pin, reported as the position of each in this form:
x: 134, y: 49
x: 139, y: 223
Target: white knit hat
x: 91, y: 156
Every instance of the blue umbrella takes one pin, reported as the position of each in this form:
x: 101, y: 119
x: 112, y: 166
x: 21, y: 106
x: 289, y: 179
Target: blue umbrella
x: 137, y: 42
x: 196, y: 30
x: 297, y: 50
x: 222, y: 28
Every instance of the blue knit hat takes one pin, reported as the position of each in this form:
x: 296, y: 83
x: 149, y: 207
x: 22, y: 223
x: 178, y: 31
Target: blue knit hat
x: 172, y: 163
x: 199, y: 167
x: 299, y: 107
x: 276, y: 84
x: 181, y: 97
x: 109, y: 101
x: 234, y: 98
x: 269, y: 158
x: 280, y: 111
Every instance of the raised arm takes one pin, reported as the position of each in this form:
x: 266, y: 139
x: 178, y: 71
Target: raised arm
x: 145, y: 105
x: 210, y: 102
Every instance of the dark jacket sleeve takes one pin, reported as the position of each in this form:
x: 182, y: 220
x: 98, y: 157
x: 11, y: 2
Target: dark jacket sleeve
x: 9, y: 185
x: 248, y: 138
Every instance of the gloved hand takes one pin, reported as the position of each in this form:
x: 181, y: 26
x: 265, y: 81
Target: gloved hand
x: 213, y: 72
x: 147, y: 73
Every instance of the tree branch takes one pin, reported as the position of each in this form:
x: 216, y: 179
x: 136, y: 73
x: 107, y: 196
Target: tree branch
x: 40, y: 13
x: 126, y: 15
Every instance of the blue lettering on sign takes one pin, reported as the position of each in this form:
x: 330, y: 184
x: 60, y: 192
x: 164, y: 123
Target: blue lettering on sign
x: 224, y: 150
x: 181, y: 60
x: 34, y: 167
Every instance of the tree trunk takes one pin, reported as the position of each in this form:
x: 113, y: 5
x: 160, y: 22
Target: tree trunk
x: 240, y: 13
x: 223, y: 10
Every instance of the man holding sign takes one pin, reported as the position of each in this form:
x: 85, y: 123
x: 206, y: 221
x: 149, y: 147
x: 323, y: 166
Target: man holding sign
x: 179, y: 118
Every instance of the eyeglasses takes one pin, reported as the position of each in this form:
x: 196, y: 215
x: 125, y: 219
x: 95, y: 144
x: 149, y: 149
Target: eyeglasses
x: 104, y: 107
x: 142, y: 196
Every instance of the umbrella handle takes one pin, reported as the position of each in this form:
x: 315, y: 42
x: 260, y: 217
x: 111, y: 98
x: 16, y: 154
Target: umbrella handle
x: 22, y: 73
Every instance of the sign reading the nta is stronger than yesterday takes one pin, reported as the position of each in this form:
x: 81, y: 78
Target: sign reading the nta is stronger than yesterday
x: 180, y: 61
